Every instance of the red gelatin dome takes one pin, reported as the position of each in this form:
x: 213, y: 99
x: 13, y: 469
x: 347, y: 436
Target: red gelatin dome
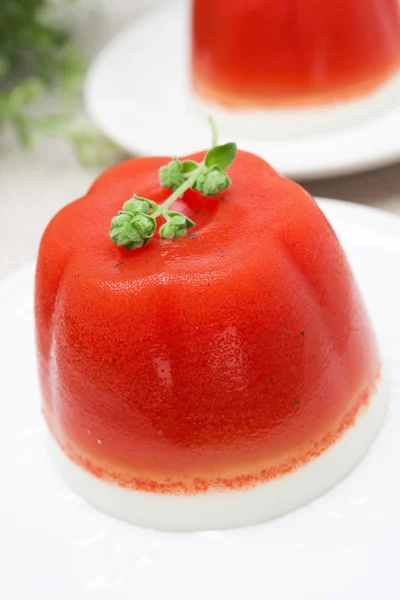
x: 218, y: 363
x: 272, y: 53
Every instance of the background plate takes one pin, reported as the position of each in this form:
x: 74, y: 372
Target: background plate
x: 137, y: 93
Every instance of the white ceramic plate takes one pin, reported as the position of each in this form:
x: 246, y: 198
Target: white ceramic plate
x: 137, y: 93
x: 343, y: 545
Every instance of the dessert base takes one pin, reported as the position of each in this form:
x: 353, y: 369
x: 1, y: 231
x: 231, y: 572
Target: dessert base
x: 298, y: 120
x: 231, y: 509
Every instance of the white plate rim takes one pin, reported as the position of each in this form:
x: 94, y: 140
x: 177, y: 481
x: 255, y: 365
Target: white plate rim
x: 91, y: 548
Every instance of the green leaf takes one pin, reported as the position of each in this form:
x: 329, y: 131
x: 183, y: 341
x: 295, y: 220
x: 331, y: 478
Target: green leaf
x: 188, y: 166
x: 189, y: 223
x: 221, y: 156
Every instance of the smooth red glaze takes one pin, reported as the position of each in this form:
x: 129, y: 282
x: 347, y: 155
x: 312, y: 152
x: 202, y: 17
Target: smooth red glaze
x: 284, y: 52
x: 226, y: 357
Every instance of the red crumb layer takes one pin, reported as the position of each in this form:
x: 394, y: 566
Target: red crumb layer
x: 292, y: 52
x: 193, y: 485
x: 205, y: 355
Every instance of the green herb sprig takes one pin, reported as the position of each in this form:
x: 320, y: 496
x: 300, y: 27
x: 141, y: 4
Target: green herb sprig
x: 136, y: 223
x: 38, y: 57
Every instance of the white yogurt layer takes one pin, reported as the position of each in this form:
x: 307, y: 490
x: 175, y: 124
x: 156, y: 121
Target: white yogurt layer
x: 230, y: 509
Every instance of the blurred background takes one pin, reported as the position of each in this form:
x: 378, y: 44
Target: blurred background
x: 50, y: 151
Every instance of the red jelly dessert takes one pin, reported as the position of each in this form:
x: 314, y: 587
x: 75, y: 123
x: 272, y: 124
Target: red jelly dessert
x: 295, y: 54
x: 205, y: 375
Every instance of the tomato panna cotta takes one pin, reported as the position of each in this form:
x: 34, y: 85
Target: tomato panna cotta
x: 206, y: 360
x: 339, y: 59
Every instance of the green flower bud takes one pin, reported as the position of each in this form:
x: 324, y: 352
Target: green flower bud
x: 144, y: 224
x: 176, y: 226
x: 212, y: 183
x: 171, y: 176
x: 120, y: 220
x: 135, y: 206
x: 123, y: 234
x: 138, y: 205
x: 168, y: 231
x: 132, y: 232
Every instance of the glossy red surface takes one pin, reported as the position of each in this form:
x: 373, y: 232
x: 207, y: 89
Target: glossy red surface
x: 284, y: 52
x: 229, y: 356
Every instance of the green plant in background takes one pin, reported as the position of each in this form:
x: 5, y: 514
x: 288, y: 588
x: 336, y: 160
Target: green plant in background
x: 38, y: 58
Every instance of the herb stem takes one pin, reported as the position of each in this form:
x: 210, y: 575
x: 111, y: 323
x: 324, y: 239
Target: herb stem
x: 134, y: 226
x: 214, y: 130
x: 178, y: 193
